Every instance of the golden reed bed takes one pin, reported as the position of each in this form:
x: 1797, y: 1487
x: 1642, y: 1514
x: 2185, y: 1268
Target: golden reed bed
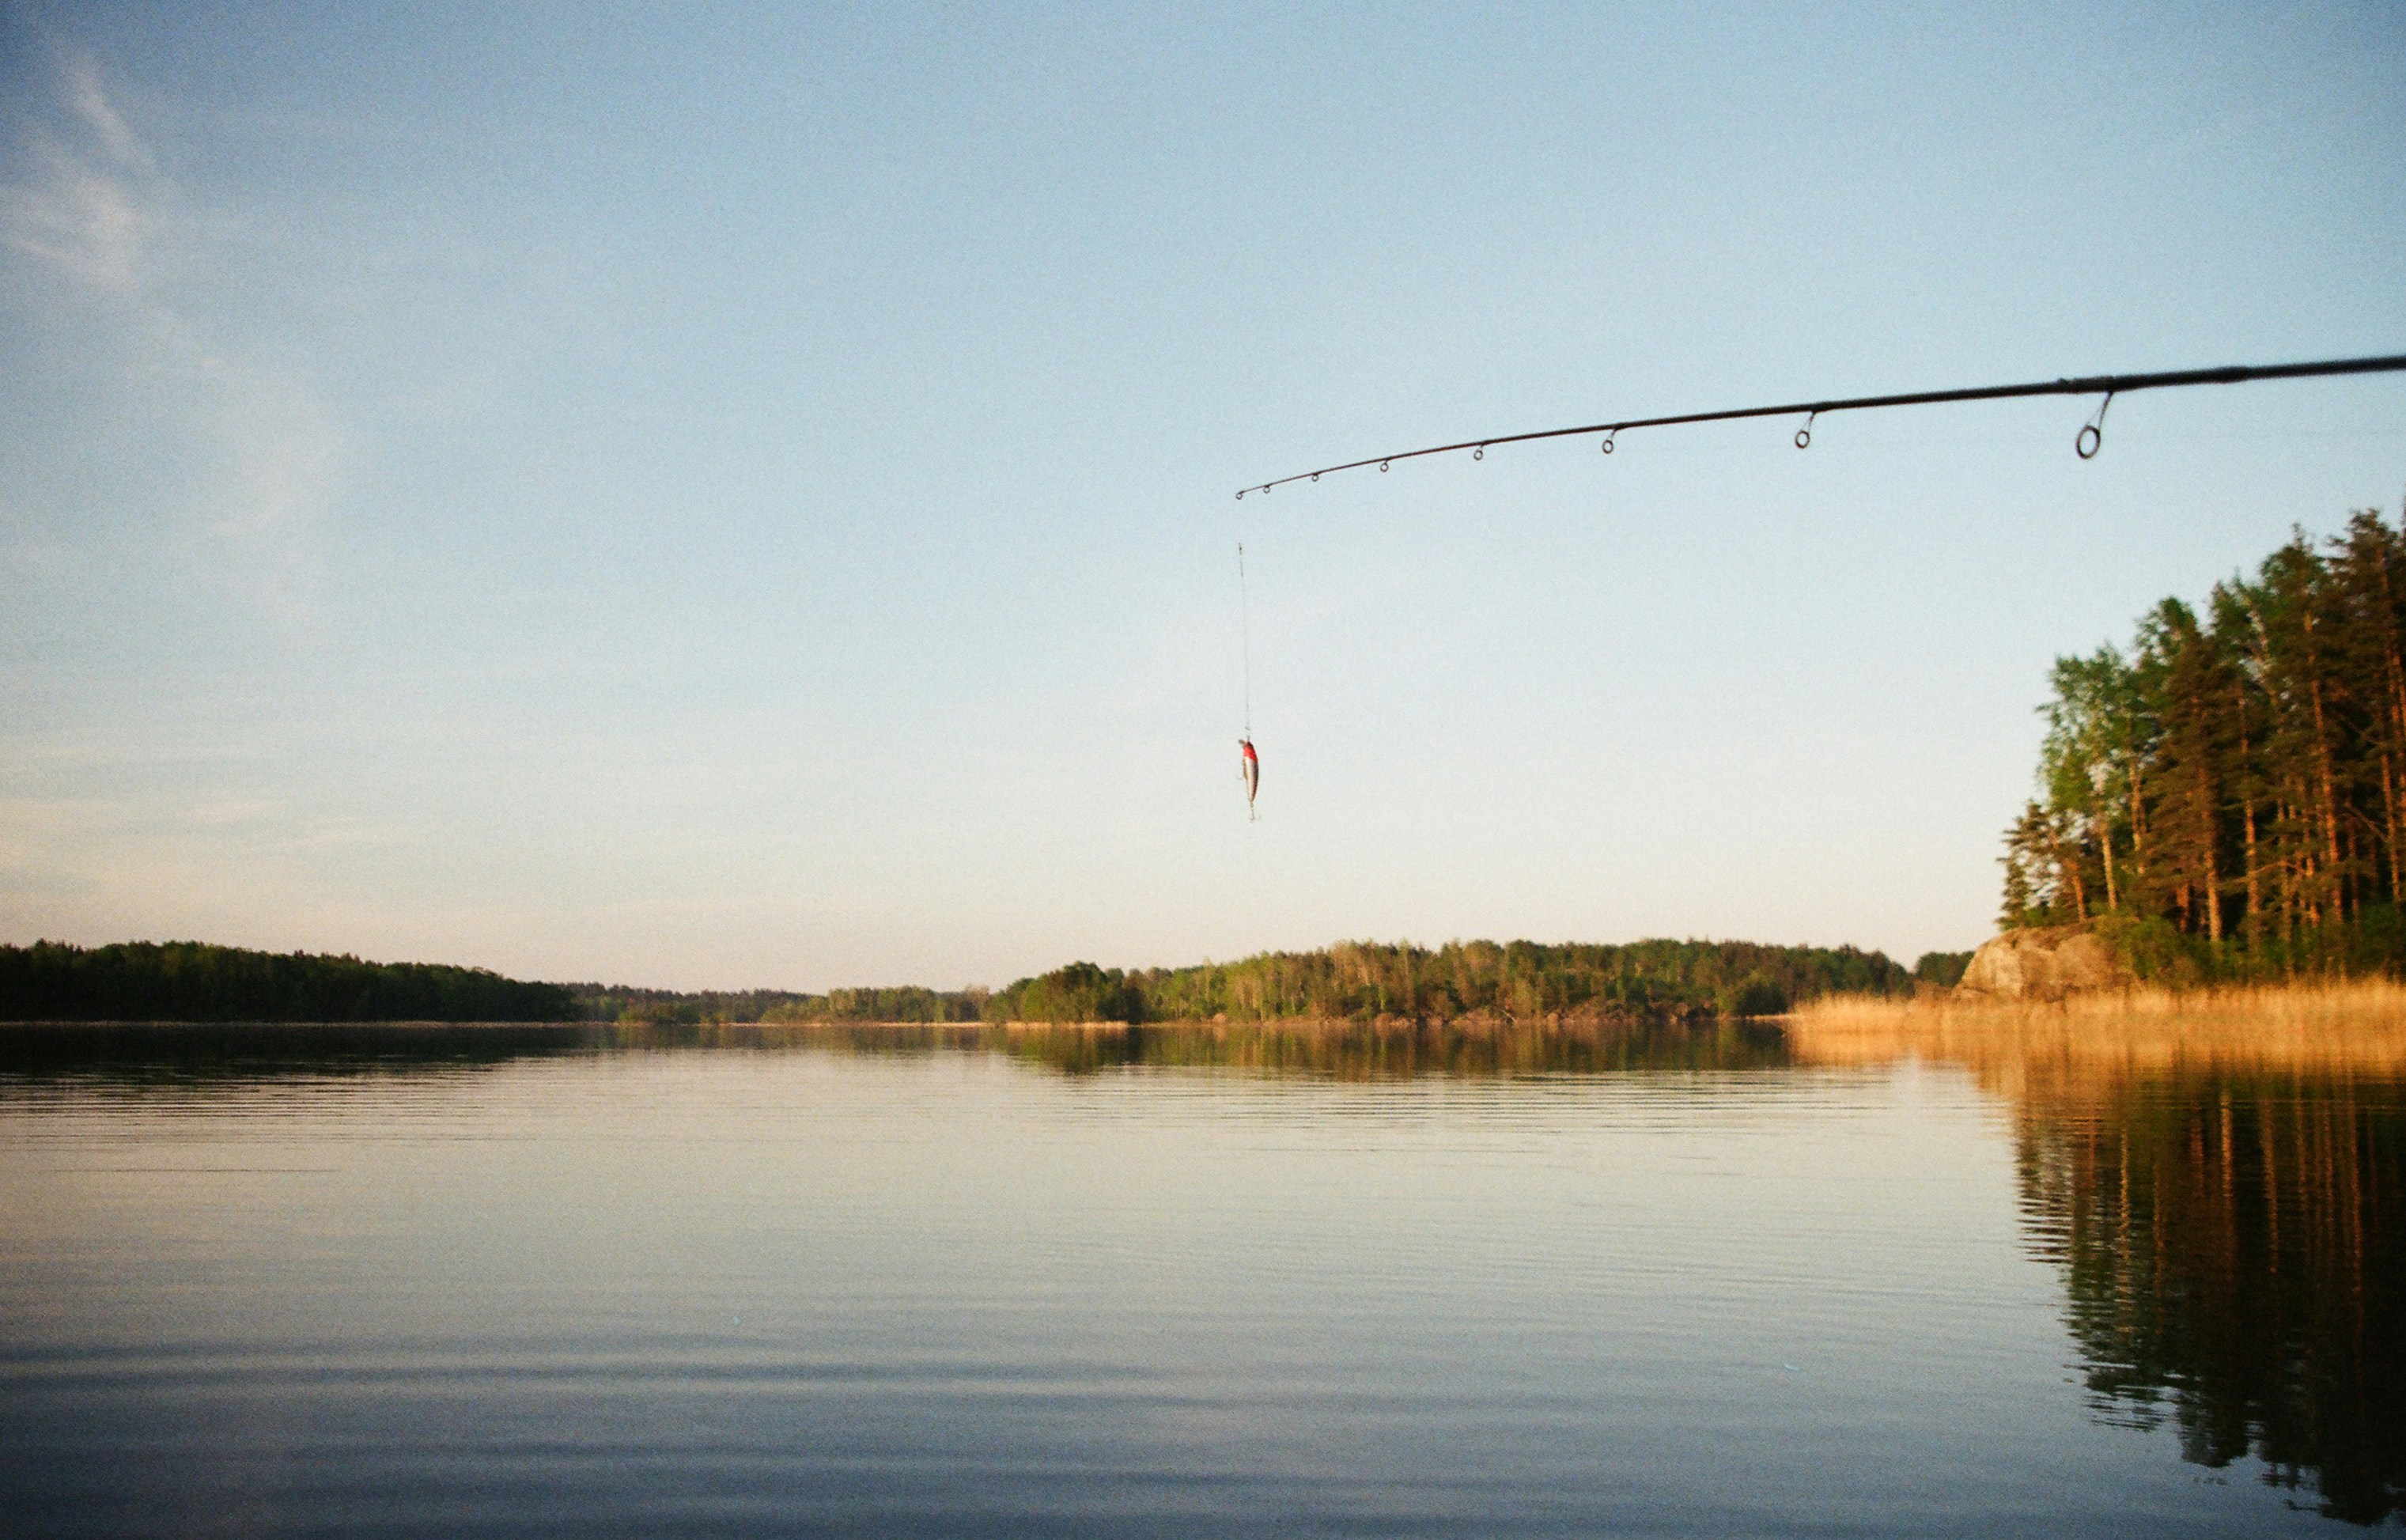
x: 2358, y: 1026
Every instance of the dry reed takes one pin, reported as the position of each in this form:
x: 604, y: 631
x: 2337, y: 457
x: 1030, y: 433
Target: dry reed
x: 2357, y: 1024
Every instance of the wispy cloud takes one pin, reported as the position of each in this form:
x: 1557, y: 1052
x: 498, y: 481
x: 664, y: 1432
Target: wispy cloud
x: 83, y: 212
x: 77, y: 219
x: 99, y: 116
x: 96, y: 212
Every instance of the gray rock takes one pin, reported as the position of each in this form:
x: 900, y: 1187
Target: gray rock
x: 2040, y: 965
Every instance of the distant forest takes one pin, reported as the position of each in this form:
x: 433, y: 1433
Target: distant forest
x: 666, y: 1007
x: 2227, y: 798
x: 1363, y: 981
x: 193, y: 981
x: 1524, y: 980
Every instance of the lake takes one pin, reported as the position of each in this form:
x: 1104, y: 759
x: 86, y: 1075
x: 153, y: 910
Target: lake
x: 732, y: 1280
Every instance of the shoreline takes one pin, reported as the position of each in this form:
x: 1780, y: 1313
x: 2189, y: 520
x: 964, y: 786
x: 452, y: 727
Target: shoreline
x: 2357, y: 1024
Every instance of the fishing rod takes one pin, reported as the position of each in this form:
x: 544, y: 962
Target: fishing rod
x: 2085, y: 444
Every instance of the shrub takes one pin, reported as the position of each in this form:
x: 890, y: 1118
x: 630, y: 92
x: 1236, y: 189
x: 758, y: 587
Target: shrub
x: 1757, y: 995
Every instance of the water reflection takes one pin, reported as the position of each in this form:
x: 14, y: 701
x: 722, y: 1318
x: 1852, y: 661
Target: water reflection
x: 2231, y: 1228
x: 2235, y: 1251
x: 1357, y: 1052
x: 1399, y: 1050
x: 136, y: 1055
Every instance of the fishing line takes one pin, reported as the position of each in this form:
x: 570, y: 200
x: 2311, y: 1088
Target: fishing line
x: 2090, y: 438
x: 1248, y: 760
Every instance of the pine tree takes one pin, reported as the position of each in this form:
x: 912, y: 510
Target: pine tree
x: 2236, y: 778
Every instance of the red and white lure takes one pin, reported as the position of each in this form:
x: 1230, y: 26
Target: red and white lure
x: 1252, y: 774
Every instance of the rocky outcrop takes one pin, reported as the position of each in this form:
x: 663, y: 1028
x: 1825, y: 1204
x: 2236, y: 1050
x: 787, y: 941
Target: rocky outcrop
x: 2040, y: 965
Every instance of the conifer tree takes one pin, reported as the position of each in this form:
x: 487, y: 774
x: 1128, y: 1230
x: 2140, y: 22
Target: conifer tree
x: 2237, y: 778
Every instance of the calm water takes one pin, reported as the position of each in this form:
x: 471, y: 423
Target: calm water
x: 736, y: 1282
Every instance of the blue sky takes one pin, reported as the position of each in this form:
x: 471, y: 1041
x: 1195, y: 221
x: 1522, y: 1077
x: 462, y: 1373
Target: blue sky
x: 740, y: 495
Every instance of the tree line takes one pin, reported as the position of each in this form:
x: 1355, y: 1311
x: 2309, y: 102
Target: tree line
x: 2226, y: 798
x: 669, y: 1006
x: 195, y: 981
x: 1519, y: 981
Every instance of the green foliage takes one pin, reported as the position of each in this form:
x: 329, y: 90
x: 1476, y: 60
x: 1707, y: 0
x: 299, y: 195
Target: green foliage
x: 2152, y: 948
x: 667, y: 1006
x: 191, y: 981
x: 1519, y: 981
x: 1943, y: 968
x: 1756, y: 995
x: 2229, y: 798
x: 1522, y: 981
x: 1080, y: 991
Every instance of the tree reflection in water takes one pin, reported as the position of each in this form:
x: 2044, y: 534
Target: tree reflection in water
x: 2235, y: 1251
x: 1391, y: 1050
x: 2224, y: 1191
x: 40, y: 1058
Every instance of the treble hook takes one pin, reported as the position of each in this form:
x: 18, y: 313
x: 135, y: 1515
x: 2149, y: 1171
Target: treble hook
x: 1804, y: 434
x: 2093, y: 438
x: 1382, y: 465
x: 1608, y: 434
x: 1240, y: 496
x: 1479, y: 453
